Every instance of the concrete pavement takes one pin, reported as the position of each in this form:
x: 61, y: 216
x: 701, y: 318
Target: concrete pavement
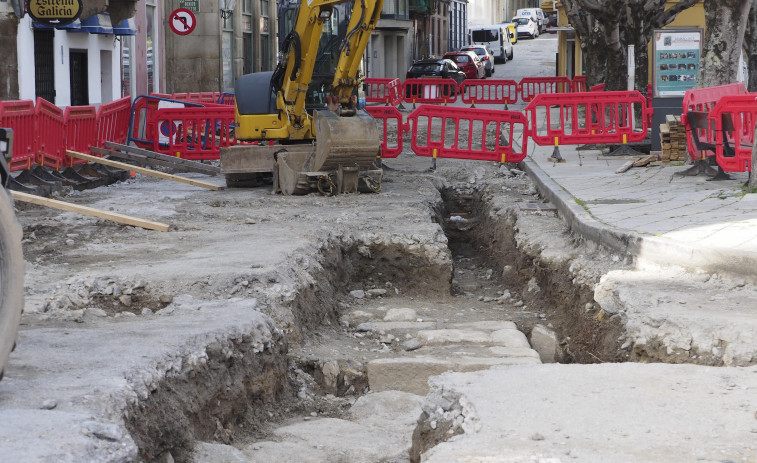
x: 692, y: 222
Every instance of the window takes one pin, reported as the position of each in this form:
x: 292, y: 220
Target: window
x: 247, y: 49
x: 265, y: 40
x: 152, y: 49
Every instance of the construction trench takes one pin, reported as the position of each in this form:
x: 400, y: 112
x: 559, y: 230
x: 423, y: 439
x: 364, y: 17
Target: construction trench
x: 305, y: 328
x: 488, y: 266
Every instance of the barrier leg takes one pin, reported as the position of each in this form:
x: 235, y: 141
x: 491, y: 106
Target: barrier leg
x: 556, y: 157
x: 701, y: 166
x: 721, y: 175
x: 625, y: 150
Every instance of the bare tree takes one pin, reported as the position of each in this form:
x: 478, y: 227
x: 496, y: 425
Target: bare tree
x: 607, y: 27
x: 750, y: 47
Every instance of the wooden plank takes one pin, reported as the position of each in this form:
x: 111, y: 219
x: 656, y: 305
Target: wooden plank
x: 142, y: 170
x: 154, y: 155
x: 90, y: 211
x: 151, y: 161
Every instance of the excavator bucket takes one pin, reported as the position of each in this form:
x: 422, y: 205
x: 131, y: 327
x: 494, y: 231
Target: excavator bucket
x: 346, y: 141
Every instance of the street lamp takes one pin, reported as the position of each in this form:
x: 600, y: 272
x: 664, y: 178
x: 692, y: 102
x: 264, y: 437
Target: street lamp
x: 227, y: 8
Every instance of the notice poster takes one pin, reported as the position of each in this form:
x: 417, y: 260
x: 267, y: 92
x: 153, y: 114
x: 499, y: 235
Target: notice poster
x: 676, y: 61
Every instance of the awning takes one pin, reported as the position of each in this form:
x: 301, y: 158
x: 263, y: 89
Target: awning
x: 97, y: 24
x: 126, y: 27
x: 71, y: 26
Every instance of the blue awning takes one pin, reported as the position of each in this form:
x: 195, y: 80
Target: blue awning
x: 97, y: 24
x: 71, y: 26
x: 127, y: 27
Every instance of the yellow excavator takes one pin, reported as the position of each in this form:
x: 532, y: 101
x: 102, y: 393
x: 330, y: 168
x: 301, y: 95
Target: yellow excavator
x: 332, y: 150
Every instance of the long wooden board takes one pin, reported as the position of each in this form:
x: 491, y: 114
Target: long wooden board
x: 205, y: 168
x: 90, y: 211
x: 150, y: 161
x: 142, y: 170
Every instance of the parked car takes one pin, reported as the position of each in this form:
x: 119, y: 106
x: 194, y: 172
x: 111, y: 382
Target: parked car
x: 441, y: 68
x: 526, y: 27
x: 538, y: 16
x: 468, y: 62
x: 496, y: 37
x: 513, y: 32
x: 485, y: 54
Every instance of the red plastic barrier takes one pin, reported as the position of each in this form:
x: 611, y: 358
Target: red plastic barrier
x: 19, y: 116
x: 532, y: 86
x: 142, y: 129
x: 588, y: 117
x: 734, y: 117
x: 704, y: 99
x: 391, y: 120
x: 383, y: 90
x: 226, y: 99
x: 579, y: 84
x: 597, y: 88
x: 469, y: 133
x: 80, y: 123
x: 113, y: 122
x: 51, y: 134
x: 429, y: 90
x: 192, y: 132
x: 490, y: 91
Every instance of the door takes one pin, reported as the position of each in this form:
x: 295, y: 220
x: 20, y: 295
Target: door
x: 106, y: 76
x: 79, y: 81
x: 44, y: 74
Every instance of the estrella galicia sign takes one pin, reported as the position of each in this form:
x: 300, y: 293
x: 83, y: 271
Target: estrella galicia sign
x: 54, y: 12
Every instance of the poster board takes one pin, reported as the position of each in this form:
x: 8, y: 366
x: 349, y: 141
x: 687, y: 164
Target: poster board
x: 675, y: 60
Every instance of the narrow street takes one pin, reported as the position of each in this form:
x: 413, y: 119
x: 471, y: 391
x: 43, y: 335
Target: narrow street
x: 451, y: 317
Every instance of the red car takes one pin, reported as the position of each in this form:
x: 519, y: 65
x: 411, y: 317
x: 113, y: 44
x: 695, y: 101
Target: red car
x: 469, y: 63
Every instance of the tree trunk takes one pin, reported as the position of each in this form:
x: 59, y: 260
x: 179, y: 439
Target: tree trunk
x: 750, y: 37
x: 725, y: 21
x: 750, y: 46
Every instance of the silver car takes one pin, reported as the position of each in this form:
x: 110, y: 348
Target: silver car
x: 485, y: 54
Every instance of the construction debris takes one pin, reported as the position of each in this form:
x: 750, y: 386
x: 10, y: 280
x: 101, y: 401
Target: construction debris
x: 142, y: 170
x: 100, y: 214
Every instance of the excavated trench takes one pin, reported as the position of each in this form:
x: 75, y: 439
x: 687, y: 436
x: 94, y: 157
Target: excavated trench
x: 243, y: 391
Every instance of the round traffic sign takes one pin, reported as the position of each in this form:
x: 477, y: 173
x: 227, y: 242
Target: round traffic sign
x: 168, y: 128
x: 182, y: 21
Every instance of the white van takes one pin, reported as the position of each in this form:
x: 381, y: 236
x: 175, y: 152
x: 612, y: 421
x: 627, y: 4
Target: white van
x: 497, y: 38
x: 537, y: 14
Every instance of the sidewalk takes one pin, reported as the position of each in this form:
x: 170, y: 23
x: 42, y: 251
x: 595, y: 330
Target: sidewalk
x: 632, y: 412
x: 686, y: 221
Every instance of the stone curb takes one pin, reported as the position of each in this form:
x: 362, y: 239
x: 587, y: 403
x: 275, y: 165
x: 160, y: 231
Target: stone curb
x: 654, y: 249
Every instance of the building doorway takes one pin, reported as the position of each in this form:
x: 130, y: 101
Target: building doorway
x: 44, y: 67
x: 79, y: 81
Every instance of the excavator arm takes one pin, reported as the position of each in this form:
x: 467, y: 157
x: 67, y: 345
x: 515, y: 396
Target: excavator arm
x: 294, y: 71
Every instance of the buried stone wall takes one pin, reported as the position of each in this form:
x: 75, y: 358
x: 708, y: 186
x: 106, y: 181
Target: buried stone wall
x: 242, y: 379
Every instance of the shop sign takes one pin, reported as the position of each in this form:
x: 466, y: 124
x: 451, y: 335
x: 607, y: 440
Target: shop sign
x: 54, y: 12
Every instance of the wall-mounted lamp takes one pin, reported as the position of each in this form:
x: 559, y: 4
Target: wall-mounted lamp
x: 227, y: 8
